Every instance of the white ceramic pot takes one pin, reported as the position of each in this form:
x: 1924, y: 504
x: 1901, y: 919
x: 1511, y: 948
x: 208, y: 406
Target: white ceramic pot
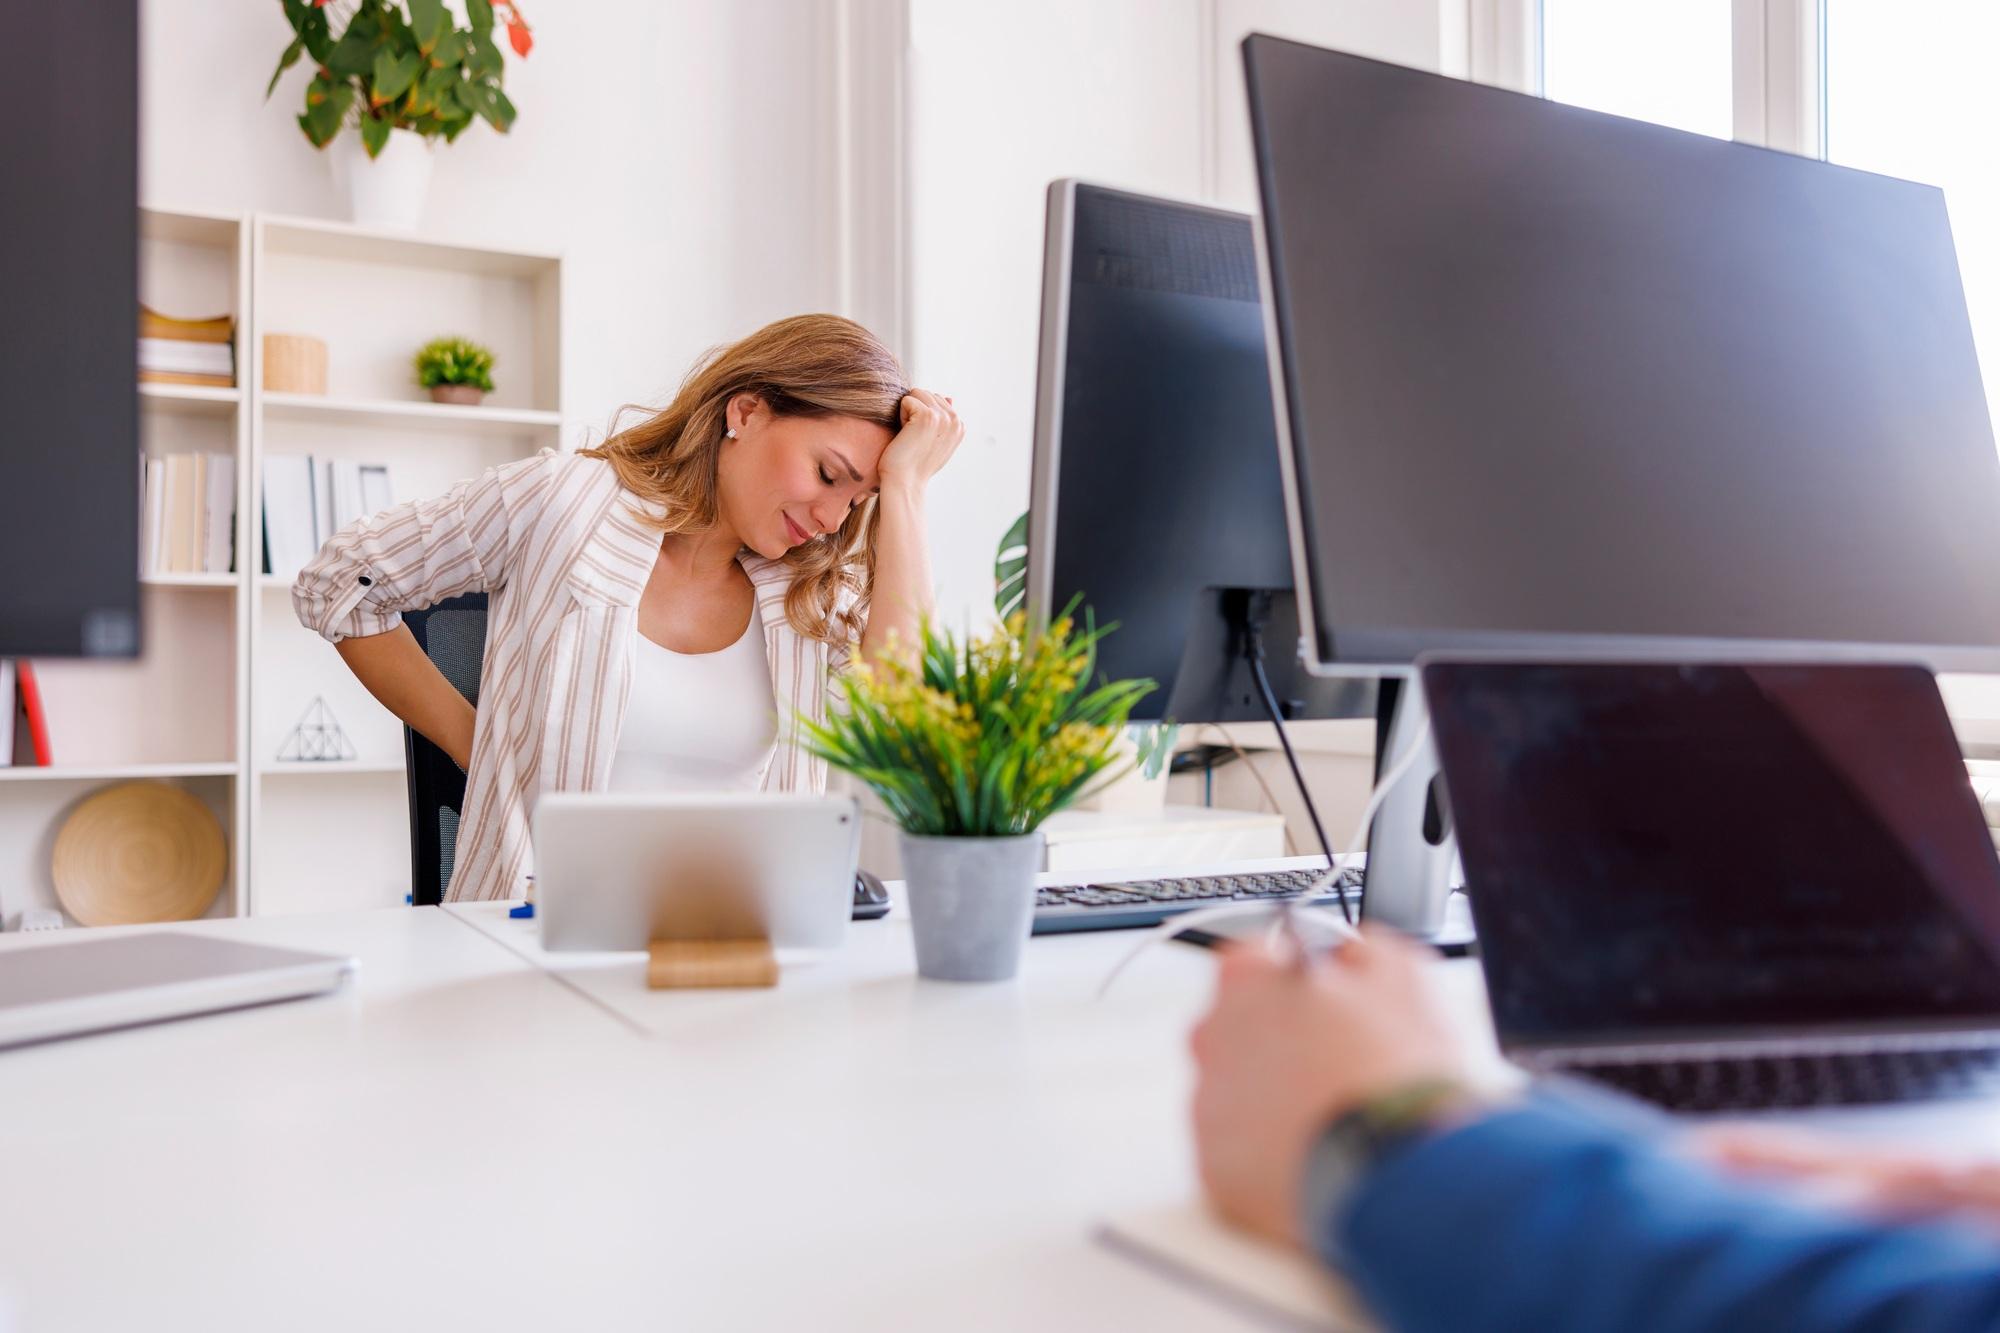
x: 972, y: 902
x: 388, y: 190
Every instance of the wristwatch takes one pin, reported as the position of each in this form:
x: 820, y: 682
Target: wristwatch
x: 1363, y: 1136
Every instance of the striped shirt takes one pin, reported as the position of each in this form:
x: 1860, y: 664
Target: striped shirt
x: 562, y: 553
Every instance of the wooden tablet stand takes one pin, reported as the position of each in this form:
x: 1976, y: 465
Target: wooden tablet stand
x: 700, y: 964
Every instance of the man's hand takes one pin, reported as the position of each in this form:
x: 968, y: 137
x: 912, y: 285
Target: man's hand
x: 1895, y: 1184
x: 930, y: 435
x: 1286, y: 1049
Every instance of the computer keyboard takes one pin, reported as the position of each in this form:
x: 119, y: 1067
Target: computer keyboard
x: 1126, y: 903
x: 1770, y: 1082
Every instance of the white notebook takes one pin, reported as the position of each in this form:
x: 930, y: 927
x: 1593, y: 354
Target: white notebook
x: 1277, y: 1287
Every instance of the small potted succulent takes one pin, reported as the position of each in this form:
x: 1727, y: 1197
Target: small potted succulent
x: 455, y: 370
x: 970, y: 747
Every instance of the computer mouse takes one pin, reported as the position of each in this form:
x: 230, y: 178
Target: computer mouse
x: 871, y: 896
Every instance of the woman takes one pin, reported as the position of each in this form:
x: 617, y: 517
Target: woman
x: 656, y: 606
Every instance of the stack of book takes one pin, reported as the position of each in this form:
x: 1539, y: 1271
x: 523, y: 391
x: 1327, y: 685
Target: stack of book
x: 307, y: 500
x: 187, y: 351
x: 188, y: 524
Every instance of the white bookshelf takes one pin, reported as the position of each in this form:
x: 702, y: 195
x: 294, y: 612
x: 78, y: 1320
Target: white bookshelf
x: 335, y: 834
x: 175, y: 714
x: 226, y: 670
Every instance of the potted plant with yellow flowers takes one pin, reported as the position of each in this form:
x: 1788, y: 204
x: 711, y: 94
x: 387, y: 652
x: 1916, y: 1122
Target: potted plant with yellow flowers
x: 970, y: 746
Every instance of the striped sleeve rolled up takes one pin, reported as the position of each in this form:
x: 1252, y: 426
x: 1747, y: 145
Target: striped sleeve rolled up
x: 415, y: 555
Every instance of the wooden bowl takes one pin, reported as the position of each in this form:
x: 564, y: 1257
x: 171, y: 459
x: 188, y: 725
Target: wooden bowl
x: 139, y: 851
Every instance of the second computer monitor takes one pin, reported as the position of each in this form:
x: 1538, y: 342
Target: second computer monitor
x: 1156, y: 492
x: 1559, y: 383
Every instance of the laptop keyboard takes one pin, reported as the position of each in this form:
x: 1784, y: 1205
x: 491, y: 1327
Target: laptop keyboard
x: 1770, y: 1082
x: 1125, y: 903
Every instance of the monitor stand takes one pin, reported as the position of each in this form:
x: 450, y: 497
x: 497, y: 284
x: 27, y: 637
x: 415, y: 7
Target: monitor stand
x: 1411, y: 850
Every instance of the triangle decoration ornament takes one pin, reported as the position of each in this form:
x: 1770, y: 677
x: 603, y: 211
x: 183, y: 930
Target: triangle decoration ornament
x: 317, y: 739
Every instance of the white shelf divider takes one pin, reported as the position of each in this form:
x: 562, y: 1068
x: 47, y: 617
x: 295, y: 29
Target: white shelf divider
x: 327, y: 768
x: 190, y: 580
x: 115, y: 772
x: 189, y: 399
x: 393, y: 414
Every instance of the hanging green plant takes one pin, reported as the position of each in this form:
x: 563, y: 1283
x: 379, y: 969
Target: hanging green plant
x: 389, y: 69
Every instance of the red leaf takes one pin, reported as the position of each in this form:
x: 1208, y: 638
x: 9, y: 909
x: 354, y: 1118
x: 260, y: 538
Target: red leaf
x: 518, y: 35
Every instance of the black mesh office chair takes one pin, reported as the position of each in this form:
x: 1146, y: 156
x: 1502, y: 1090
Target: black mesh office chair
x: 453, y: 635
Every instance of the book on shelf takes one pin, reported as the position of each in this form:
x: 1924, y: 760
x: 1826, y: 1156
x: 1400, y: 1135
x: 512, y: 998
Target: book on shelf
x: 352, y: 491
x: 180, y: 517
x: 153, y: 515
x: 218, y: 515
x: 8, y: 706
x: 188, y: 518
x: 288, y: 514
x: 187, y: 351
x: 307, y: 500
x: 29, y: 744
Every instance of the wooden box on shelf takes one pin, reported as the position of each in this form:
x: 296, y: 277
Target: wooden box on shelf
x: 294, y: 363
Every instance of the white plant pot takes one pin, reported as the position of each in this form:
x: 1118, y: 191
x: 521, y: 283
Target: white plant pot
x: 972, y: 903
x: 386, y: 191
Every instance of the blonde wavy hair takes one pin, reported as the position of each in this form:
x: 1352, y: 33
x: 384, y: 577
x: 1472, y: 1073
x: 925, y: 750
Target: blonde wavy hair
x: 805, y: 366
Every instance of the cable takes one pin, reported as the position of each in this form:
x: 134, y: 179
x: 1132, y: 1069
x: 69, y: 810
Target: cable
x: 1174, y: 925
x: 1270, y: 796
x: 1254, y: 650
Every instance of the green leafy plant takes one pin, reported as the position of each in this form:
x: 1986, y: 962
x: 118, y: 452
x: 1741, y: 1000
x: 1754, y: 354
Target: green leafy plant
x: 982, y: 739
x: 392, y: 70
x: 1010, y: 570
x: 454, y: 361
x: 1155, y: 744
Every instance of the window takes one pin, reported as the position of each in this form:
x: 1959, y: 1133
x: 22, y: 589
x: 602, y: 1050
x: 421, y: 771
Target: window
x: 1910, y: 92
x: 1667, y: 63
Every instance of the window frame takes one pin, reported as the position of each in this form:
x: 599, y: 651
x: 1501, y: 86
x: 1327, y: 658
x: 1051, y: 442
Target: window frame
x: 1777, y: 52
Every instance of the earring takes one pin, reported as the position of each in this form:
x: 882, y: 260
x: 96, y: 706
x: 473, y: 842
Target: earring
x: 729, y: 434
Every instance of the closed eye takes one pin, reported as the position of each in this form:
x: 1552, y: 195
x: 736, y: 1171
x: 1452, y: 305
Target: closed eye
x: 824, y: 477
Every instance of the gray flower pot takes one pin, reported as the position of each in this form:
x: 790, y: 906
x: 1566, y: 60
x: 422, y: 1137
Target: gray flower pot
x: 971, y: 901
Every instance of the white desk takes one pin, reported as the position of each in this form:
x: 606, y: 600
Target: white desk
x: 462, y: 1139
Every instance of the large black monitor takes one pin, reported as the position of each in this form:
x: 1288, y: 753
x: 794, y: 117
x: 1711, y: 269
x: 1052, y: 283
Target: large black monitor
x: 69, y: 415
x: 1560, y: 383
x: 1156, y: 492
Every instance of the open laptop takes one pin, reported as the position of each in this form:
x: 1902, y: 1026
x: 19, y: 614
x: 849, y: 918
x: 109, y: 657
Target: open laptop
x: 69, y: 988
x: 1726, y: 887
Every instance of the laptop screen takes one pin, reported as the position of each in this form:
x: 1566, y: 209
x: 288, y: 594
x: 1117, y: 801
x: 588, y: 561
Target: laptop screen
x: 1716, y: 851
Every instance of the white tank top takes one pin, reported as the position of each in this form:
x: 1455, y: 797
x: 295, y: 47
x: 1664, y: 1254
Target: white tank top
x: 697, y: 722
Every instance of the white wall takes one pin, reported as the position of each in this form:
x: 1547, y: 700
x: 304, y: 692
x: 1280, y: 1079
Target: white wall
x: 686, y: 156
x: 676, y: 151
x: 1002, y: 100
x: 1144, y: 94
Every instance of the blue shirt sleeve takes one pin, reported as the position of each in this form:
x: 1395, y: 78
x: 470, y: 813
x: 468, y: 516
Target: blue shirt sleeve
x: 1542, y: 1218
